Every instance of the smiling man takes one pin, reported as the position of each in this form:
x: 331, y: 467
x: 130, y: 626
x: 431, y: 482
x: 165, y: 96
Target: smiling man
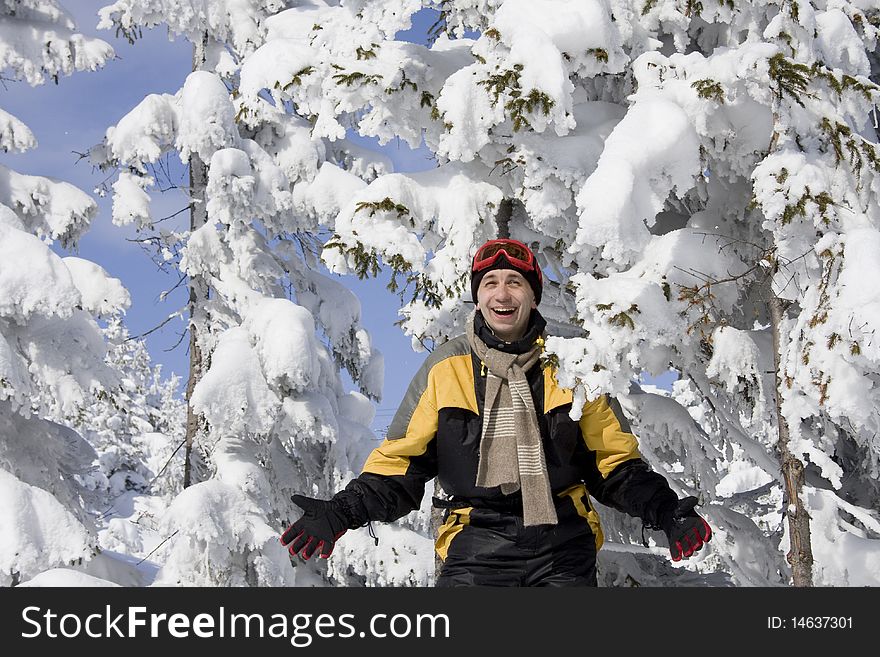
x: 487, y: 418
x: 505, y: 299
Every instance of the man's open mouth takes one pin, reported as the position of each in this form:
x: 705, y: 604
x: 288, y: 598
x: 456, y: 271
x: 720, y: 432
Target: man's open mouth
x: 504, y: 311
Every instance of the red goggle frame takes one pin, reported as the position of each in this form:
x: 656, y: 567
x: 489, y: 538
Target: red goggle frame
x: 517, y: 253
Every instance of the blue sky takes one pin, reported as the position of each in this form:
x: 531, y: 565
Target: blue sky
x: 70, y: 117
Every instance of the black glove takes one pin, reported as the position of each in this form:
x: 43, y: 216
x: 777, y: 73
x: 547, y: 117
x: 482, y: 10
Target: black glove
x: 685, y: 529
x: 320, y: 526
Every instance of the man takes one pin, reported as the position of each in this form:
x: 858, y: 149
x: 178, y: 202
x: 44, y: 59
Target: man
x: 490, y: 422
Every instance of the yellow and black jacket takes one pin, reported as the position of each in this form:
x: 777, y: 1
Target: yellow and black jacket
x: 436, y: 433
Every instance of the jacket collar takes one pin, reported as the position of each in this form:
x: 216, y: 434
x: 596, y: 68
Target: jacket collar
x: 534, y: 329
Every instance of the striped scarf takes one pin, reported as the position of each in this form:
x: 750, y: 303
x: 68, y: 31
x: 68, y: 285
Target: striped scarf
x: 511, y: 455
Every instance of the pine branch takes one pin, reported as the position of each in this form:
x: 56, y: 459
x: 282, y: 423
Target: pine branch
x: 155, y: 328
x: 176, y: 531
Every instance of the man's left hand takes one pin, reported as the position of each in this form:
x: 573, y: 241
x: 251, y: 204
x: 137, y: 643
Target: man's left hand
x: 686, y: 530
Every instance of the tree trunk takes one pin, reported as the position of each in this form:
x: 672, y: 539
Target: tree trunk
x: 502, y: 218
x: 800, y: 556
x: 198, y: 180
x: 193, y: 420
x: 436, y: 523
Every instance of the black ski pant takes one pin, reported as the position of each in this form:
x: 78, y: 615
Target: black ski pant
x: 493, y: 548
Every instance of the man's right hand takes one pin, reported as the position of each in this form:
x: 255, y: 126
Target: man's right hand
x: 317, y: 530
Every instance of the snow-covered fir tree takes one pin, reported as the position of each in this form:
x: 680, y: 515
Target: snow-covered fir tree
x: 138, y: 430
x: 51, y: 347
x: 700, y: 182
x: 272, y: 330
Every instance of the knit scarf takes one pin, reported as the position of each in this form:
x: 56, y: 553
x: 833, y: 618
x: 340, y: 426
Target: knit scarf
x: 511, y: 455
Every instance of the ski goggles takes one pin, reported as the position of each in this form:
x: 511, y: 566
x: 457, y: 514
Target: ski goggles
x: 517, y: 254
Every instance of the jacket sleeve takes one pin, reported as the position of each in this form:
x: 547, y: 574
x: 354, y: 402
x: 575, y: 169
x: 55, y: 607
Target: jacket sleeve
x: 394, y: 475
x: 621, y: 479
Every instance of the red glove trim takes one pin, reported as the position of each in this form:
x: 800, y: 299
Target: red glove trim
x: 677, y: 555
x: 303, y: 553
x: 707, y: 535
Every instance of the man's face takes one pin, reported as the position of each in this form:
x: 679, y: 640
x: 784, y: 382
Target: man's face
x: 506, y: 300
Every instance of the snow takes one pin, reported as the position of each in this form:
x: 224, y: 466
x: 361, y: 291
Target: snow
x: 283, y: 334
x: 130, y: 202
x: 36, y: 531
x: 470, y: 114
x: 279, y: 59
x: 220, y: 521
x: 205, y: 113
x: 234, y: 392
x: 839, y: 42
x: 131, y: 143
x: 52, y: 209
x: 237, y: 21
x: 742, y: 476
x: 736, y: 358
x: 25, y: 259
x: 538, y: 33
x: 36, y: 47
x: 411, y: 559
x: 15, y: 136
x: 634, y: 177
x: 100, y: 293
x: 331, y: 189
x: 293, y: 149
x: 835, y: 536
x: 66, y: 577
